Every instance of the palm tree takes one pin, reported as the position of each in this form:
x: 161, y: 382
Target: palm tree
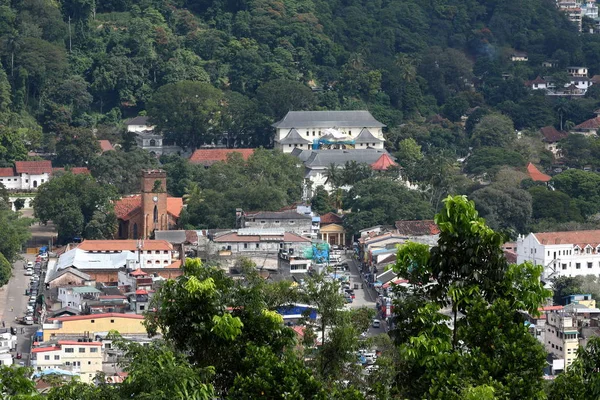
x: 406, y: 64
x: 193, y: 194
x: 334, y: 176
x: 561, y: 107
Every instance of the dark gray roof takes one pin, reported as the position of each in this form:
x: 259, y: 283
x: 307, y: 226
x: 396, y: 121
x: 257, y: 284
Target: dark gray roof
x: 366, y: 136
x: 301, y: 154
x: 324, y: 158
x: 137, y: 121
x: 278, y: 215
x: 173, y: 237
x: 328, y: 119
x: 294, y: 138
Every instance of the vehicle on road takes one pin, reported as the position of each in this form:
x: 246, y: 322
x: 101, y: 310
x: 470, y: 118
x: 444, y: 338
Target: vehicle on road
x: 29, y: 264
x: 376, y: 323
x: 28, y: 320
x: 19, y: 356
x: 28, y: 272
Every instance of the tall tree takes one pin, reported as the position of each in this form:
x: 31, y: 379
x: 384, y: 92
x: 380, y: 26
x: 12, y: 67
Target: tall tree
x: 188, y: 113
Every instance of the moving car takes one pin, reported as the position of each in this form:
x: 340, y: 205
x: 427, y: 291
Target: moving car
x: 376, y: 323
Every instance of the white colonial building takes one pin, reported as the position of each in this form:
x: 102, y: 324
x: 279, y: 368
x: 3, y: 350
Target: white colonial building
x: 328, y: 130
x: 138, y: 124
x: 574, y: 253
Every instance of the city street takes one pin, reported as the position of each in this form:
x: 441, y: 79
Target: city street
x: 364, y: 297
x: 12, y: 297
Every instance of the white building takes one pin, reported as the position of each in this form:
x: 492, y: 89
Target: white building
x: 581, y: 72
x: 82, y: 358
x: 75, y: 296
x: 328, y: 130
x: 574, y: 253
x: 149, y: 253
x: 138, y: 124
x: 26, y: 175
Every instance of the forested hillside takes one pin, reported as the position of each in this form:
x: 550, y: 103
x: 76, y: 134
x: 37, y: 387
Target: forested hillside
x: 91, y: 64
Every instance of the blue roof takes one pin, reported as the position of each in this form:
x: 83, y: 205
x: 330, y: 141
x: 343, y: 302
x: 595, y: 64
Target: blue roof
x: 53, y: 371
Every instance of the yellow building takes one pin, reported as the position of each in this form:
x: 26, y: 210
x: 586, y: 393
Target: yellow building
x: 90, y: 325
x: 332, y: 230
x: 80, y: 358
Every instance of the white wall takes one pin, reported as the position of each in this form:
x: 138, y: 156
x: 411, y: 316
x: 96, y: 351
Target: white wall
x: 139, y: 128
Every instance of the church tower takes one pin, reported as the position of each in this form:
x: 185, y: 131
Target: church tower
x: 154, y: 202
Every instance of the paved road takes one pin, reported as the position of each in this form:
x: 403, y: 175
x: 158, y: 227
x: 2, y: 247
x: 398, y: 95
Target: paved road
x: 13, y: 304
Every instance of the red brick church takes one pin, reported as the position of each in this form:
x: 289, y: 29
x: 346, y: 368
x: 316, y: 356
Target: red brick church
x: 141, y: 214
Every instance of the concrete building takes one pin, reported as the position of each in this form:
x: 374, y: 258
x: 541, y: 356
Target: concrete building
x: 75, y: 296
x: 307, y: 130
x: 138, y: 124
x: 575, y: 253
x: 255, y: 240
x: 91, y: 325
x: 82, y: 358
x: 551, y: 137
x: 290, y: 221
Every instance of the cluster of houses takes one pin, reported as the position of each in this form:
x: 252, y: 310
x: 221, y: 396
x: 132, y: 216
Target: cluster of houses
x: 576, y: 10
x: 576, y: 86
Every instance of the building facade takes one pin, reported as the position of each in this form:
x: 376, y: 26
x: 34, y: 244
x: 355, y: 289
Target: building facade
x: 575, y: 253
x: 307, y: 130
x: 140, y: 215
x: 290, y: 221
x: 82, y: 358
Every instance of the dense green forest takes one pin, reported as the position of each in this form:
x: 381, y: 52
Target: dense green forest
x: 89, y: 64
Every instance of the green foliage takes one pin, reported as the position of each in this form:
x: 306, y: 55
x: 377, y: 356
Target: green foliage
x: 73, y: 202
x: 5, y: 270
x: 580, y: 381
x: 489, y: 160
x: 14, y: 232
x: 487, y: 350
x: 76, y: 147
x: 583, y: 187
x: 494, y: 130
x: 269, y: 180
x: 504, y: 208
x: 122, y: 170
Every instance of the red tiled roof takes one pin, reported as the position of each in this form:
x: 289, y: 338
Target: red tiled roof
x: 550, y: 308
x: 33, y: 167
x: 536, y: 175
x: 510, y: 256
x: 384, y: 162
x: 538, y: 80
x: 417, y: 228
x: 105, y: 145
x: 138, y: 272
x: 175, y: 264
x: 210, y: 156
x: 551, y: 135
x: 124, y: 245
x: 141, y: 291
x: 43, y: 349
x: 593, y: 123
x: 96, y: 316
x: 7, y: 172
x: 331, y: 218
x: 127, y: 207
x: 576, y: 238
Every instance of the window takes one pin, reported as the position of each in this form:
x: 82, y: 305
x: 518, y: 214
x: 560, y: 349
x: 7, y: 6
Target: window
x: 89, y: 363
x: 307, y: 133
x: 560, y: 348
x: 262, y: 222
x: 112, y: 321
x: 69, y: 350
x: 276, y: 222
x: 257, y: 245
x: 82, y: 349
x: 552, y: 345
x: 57, y: 357
x: 94, y: 350
x: 166, y: 252
x: 46, y: 357
x: 588, y: 250
x: 142, y: 308
x: 564, y: 266
x: 245, y: 245
x: 292, y: 222
x: 577, y: 265
x: 68, y: 363
x: 289, y: 145
x: 157, y: 262
x: 589, y: 265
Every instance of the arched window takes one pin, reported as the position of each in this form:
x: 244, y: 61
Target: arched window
x: 135, y: 231
x: 34, y: 184
x: 155, y: 214
x: 152, y: 142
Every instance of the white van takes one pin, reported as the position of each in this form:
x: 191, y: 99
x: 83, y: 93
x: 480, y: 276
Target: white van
x: 334, y: 258
x: 28, y: 320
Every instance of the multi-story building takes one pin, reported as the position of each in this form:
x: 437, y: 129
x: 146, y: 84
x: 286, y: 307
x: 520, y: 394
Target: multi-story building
x: 328, y: 130
x: 90, y: 326
x: 573, y: 11
x: 75, y: 296
x: 561, y: 337
x: 575, y: 253
x: 291, y: 221
x: 83, y: 358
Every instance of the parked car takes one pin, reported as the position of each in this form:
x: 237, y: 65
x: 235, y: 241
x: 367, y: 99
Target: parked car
x: 28, y: 272
x: 29, y: 264
x: 376, y: 323
x: 19, y: 356
x: 28, y: 320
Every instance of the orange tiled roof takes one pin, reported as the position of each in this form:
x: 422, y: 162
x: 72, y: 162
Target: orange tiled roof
x: 384, y: 162
x: 175, y: 264
x: 127, y: 207
x: 33, y: 167
x: 43, y: 349
x: 576, y: 238
x: 124, y: 245
x: 138, y: 272
x: 536, y: 175
x: 210, y: 156
x: 105, y: 145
